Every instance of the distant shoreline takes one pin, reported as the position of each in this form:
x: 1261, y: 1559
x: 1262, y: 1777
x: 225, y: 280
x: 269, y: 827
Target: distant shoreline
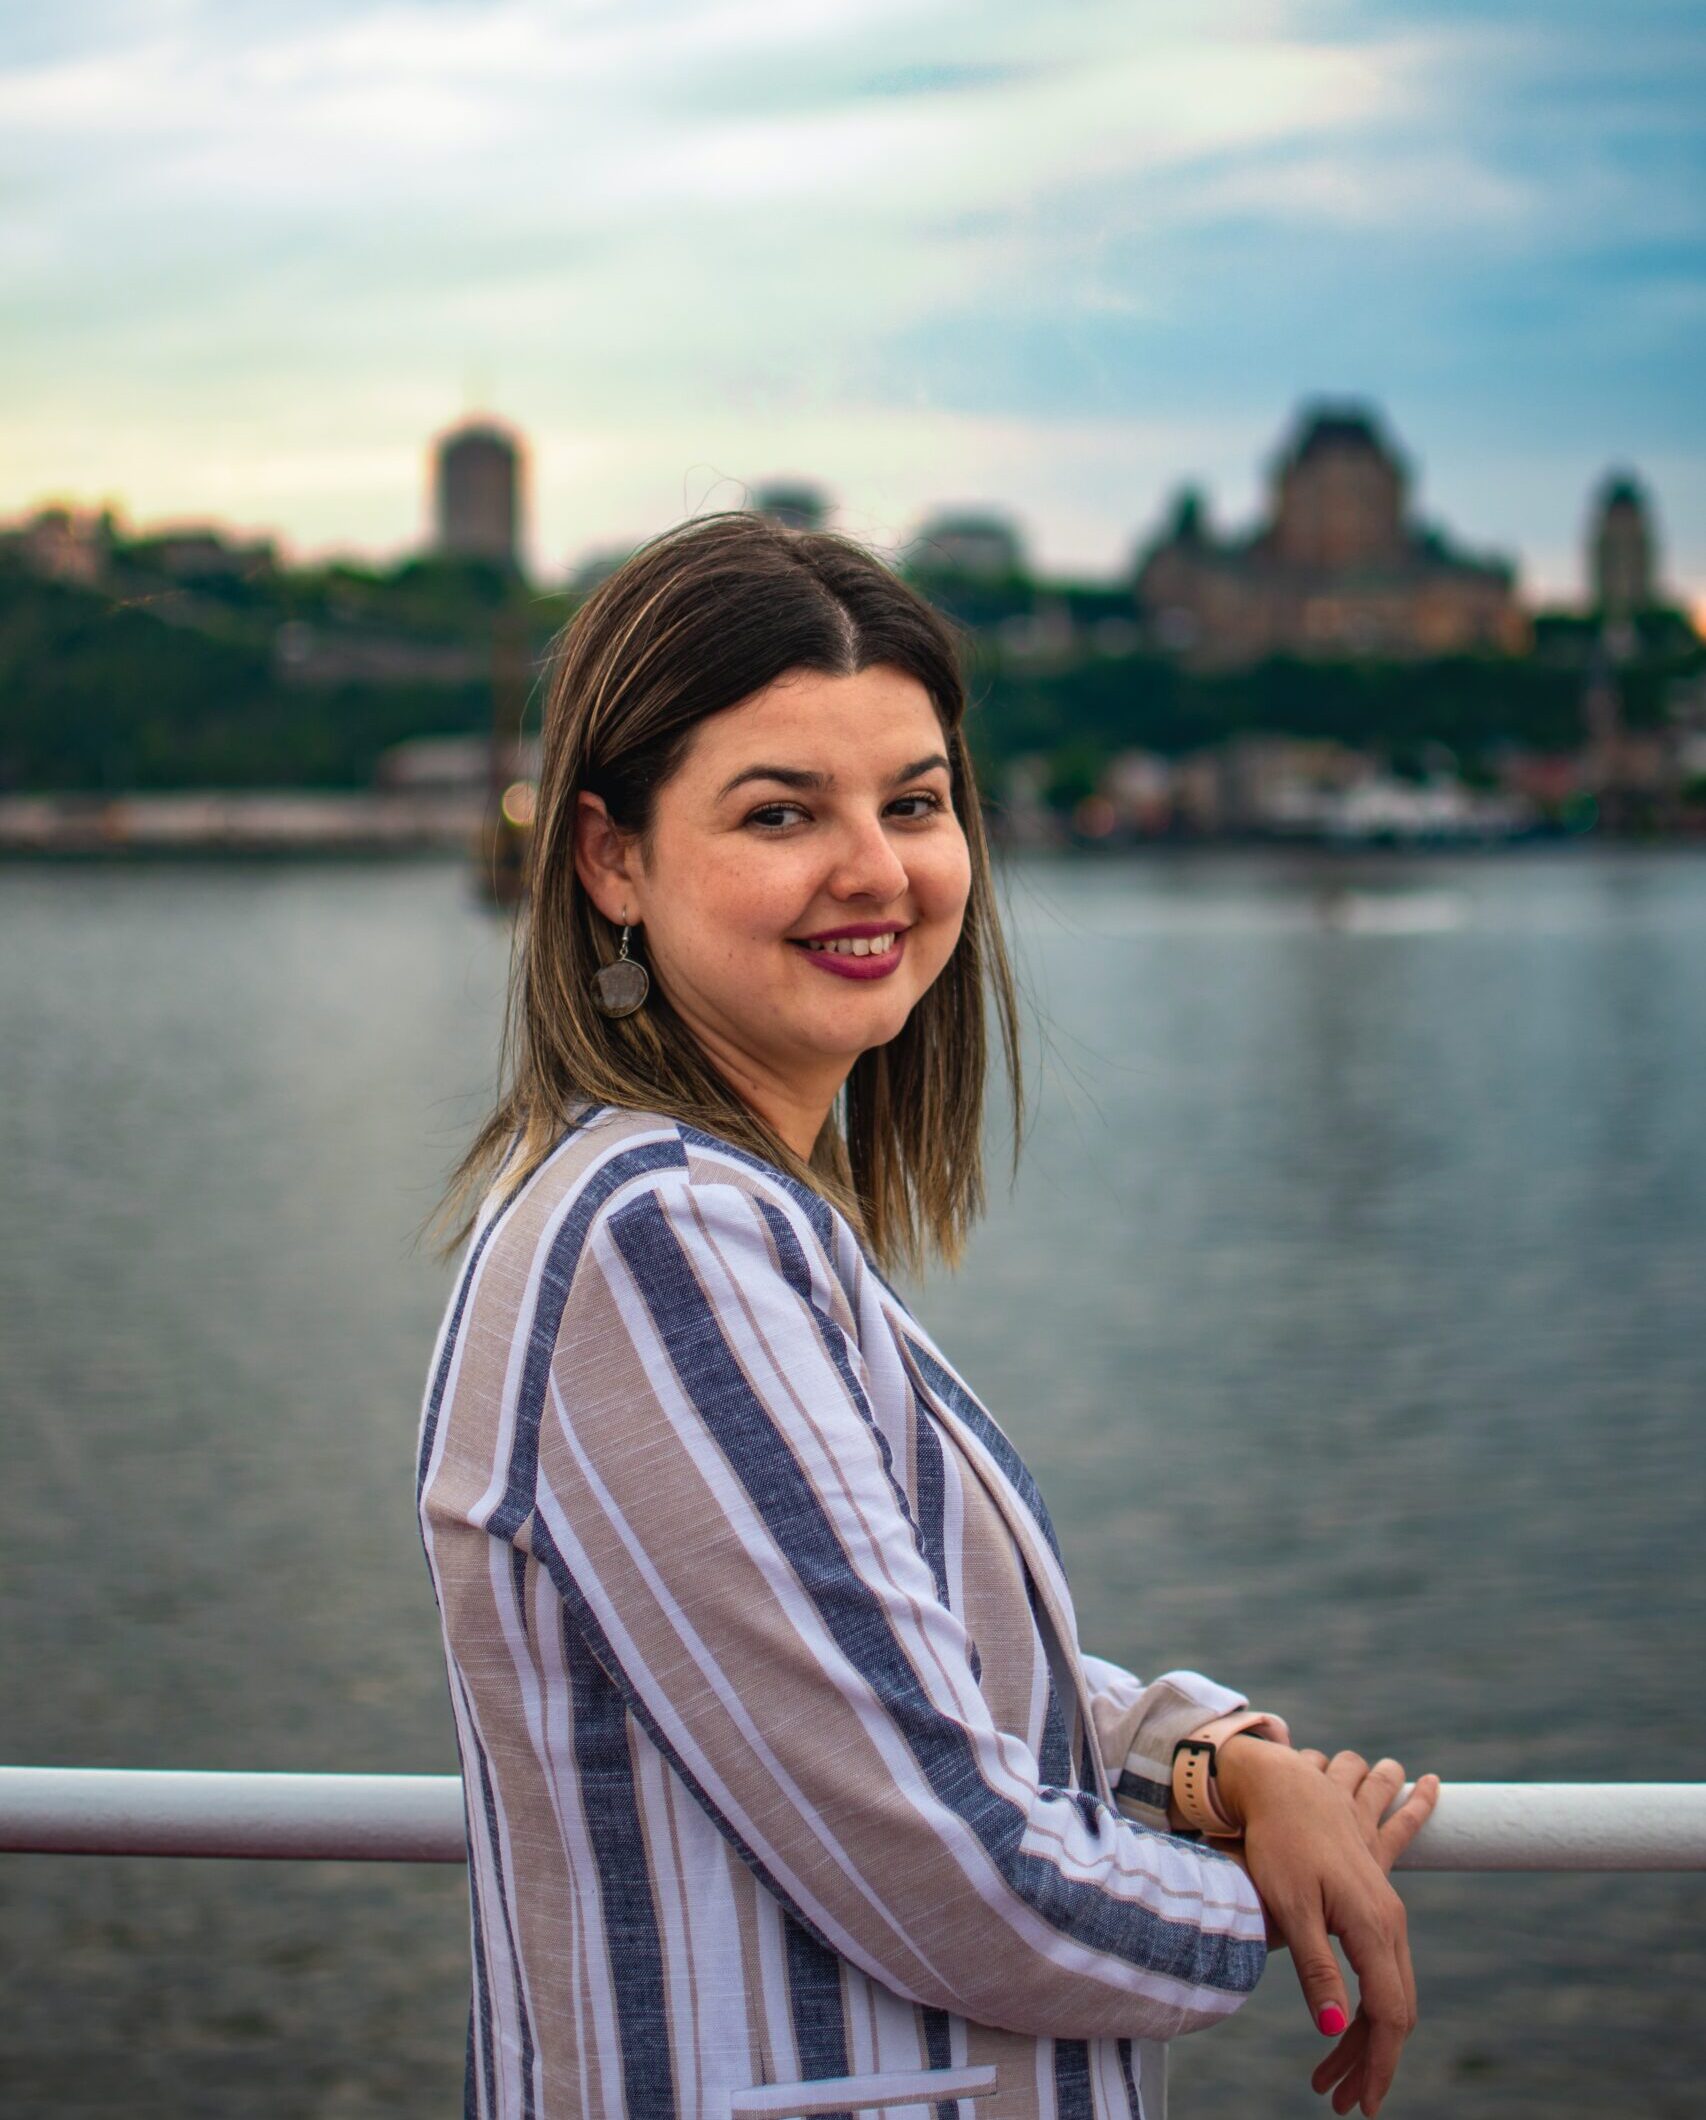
x: 330, y: 825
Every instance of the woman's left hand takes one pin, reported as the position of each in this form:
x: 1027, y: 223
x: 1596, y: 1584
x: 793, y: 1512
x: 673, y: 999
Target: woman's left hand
x: 1318, y: 1850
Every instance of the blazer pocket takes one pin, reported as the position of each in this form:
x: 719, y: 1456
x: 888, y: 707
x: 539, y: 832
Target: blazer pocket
x: 842, y: 2094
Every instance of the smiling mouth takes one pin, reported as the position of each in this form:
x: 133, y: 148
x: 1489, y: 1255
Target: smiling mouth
x: 856, y: 956
x: 857, y: 945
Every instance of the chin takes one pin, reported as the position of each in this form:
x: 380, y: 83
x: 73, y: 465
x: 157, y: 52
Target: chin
x: 876, y: 1027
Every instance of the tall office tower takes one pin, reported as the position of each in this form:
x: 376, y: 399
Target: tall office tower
x: 477, y: 493
x: 1620, y: 549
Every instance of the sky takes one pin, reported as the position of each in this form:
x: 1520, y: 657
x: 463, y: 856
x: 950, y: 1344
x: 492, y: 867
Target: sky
x: 1056, y: 261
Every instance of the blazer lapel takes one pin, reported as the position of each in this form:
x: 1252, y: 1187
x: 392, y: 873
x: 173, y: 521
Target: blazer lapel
x: 1015, y: 1494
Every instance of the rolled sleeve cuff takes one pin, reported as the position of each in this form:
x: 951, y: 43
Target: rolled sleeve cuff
x: 1183, y: 1704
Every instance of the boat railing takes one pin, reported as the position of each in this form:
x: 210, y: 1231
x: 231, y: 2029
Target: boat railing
x: 1477, y: 1825
x: 1486, y: 1825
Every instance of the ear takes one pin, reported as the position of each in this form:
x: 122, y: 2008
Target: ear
x: 605, y: 860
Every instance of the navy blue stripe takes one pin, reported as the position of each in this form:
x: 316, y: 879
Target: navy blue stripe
x: 470, y: 2093
x: 797, y: 1272
x: 1072, y: 2098
x: 939, y: 2052
x: 606, y: 1777
x: 1142, y: 1790
x: 1054, y: 1754
x: 579, y: 1615
x: 435, y: 1398
x: 517, y: 1500
x: 931, y: 1479
x: 954, y: 1393
x: 932, y: 1493
x: 1132, y: 2098
x: 854, y: 1617
x: 482, y: 1984
x: 495, y: 1841
x: 518, y: 1575
x: 814, y: 2002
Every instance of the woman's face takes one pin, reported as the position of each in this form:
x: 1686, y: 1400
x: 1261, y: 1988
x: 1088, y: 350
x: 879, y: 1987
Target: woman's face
x: 806, y: 881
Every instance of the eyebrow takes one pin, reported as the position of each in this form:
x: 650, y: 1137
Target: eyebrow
x: 815, y: 783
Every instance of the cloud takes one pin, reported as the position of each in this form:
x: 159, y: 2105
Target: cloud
x: 248, y: 246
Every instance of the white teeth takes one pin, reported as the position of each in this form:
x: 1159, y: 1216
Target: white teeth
x: 857, y: 945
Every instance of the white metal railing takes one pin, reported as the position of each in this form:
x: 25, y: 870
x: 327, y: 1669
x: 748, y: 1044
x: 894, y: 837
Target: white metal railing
x: 1477, y: 1825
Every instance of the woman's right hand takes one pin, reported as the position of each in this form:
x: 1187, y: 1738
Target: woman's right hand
x: 1318, y: 1852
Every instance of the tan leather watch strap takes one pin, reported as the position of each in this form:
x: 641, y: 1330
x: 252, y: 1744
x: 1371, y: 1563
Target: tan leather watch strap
x: 1193, y: 1778
x: 1194, y: 1764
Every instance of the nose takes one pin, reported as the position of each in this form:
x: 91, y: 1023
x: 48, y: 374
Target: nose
x: 866, y: 864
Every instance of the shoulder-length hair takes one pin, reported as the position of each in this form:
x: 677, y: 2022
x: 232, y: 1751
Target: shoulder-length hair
x: 694, y: 622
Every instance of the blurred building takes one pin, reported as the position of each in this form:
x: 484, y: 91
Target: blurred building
x: 64, y: 544
x: 477, y: 472
x: 1621, y: 555
x: 305, y: 654
x: 973, y: 544
x: 1337, y: 567
x: 201, y: 552
x: 794, y: 503
x: 449, y: 764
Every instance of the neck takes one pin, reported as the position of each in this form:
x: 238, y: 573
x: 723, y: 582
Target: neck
x: 793, y: 1105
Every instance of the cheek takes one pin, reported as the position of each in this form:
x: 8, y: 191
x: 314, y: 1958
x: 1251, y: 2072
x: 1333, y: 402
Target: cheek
x: 941, y: 877
x: 746, y: 893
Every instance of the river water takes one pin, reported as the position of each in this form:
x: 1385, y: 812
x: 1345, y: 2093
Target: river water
x: 1350, y: 1308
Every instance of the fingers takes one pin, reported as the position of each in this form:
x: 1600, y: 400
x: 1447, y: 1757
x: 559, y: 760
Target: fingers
x: 1344, y: 2057
x: 1379, y: 1785
x: 1396, y: 1834
x: 1318, y: 1975
x: 1379, y: 1950
x: 1345, y: 2067
x: 1407, y: 1971
x: 1347, y: 1769
x: 1318, y: 1760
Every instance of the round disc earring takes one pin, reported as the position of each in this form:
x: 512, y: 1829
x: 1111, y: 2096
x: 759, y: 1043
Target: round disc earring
x: 620, y: 988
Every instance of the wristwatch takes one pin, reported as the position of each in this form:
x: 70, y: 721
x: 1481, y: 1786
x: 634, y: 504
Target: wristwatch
x: 1195, y: 1769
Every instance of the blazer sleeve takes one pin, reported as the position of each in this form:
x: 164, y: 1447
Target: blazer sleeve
x: 717, y: 1507
x: 1138, y: 1725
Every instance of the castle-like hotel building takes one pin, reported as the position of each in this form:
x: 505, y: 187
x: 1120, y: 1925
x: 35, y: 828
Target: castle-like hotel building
x: 1339, y: 566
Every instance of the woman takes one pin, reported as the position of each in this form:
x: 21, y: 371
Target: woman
x: 790, y: 1790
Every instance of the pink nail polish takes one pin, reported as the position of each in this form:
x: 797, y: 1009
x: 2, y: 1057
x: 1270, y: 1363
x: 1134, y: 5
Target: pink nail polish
x: 1331, y: 2019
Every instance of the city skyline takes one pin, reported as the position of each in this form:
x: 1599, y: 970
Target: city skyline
x: 477, y: 475
x: 926, y: 257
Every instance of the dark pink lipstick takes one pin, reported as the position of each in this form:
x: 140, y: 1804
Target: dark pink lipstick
x: 843, y: 962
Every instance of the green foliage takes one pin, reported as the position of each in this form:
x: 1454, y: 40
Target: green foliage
x: 1110, y: 704
x: 1074, y: 773
x: 163, y: 684
x: 99, y: 697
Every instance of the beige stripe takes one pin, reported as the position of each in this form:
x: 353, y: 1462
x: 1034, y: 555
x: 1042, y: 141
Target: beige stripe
x: 537, y: 1879
x: 767, y: 2064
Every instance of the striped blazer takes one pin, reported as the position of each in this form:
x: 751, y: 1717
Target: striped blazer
x: 789, y: 1790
